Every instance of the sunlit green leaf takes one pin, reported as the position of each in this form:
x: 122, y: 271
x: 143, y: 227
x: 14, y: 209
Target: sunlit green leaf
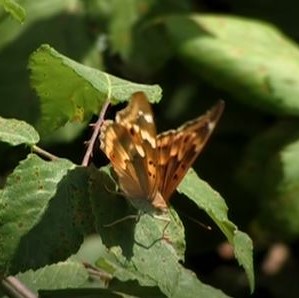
x: 213, y: 204
x: 16, y: 10
x: 70, y: 91
x: 62, y: 275
x: 16, y: 132
x: 251, y: 60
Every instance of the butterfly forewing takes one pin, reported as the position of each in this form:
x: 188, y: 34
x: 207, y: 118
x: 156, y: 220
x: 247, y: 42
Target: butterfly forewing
x: 115, y: 142
x: 178, y: 149
x: 130, y: 144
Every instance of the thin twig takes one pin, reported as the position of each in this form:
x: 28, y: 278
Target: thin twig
x: 96, y: 129
x: 43, y: 153
x: 15, y: 289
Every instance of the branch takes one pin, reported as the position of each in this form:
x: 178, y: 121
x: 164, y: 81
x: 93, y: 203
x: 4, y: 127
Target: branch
x: 96, y: 129
x: 15, y: 289
x: 43, y: 153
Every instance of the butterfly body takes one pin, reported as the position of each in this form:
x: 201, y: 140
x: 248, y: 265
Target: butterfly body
x: 150, y: 166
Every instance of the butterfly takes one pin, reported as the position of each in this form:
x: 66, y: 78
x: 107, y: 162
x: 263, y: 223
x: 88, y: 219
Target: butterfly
x: 149, y: 167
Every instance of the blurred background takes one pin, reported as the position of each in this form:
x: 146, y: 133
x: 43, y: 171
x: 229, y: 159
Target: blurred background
x: 244, y: 52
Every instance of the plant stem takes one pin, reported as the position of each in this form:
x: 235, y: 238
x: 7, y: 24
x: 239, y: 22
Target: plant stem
x: 43, y: 153
x: 96, y: 129
x: 15, y: 289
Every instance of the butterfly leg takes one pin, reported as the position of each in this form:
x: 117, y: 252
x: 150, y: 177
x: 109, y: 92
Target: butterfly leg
x: 167, y: 220
x: 132, y: 216
x: 114, y: 192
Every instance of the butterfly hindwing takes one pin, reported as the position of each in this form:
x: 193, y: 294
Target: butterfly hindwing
x: 178, y: 149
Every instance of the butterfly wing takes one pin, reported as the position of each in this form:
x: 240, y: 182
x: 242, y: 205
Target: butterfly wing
x: 178, y: 149
x: 130, y: 144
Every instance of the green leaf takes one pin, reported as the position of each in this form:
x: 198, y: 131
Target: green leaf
x: 16, y: 10
x: 213, y: 204
x: 138, y: 248
x: 154, y: 262
x: 113, y: 207
x: 68, y: 274
x: 16, y: 132
x: 251, y: 60
x: 124, y: 15
x: 31, y: 218
x: 38, y: 11
x: 70, y: 91
x: 270, y: 173
x: 48, y: 208
x: 17, y: 43
x: 131, y: 31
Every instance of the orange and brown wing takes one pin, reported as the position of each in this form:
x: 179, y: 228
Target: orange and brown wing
x: 178, y: 149
x: 130, y: 144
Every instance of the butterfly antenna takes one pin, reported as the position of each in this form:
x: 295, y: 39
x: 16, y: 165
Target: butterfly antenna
x: 96, y: 129
x: 196, y: 221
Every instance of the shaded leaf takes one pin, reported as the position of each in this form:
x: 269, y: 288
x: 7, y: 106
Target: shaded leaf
x: 154, y: 262
x: 112, y: 207
x: 16, y: 132
x: 10, y: 30
x: 157, y: 266
x: 70, y: 91
x: 251, y: 60
x: 123, y: 16
x: 133, y: 27
x: 16, y: 10
x: 52, y: 213
x: 138, y: 248
x: 25, y: 204
x: 213, y: 204
x: 270, y: 173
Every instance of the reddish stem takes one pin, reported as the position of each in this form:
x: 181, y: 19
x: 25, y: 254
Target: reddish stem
x: 96, y: 130
x: 14, y: 288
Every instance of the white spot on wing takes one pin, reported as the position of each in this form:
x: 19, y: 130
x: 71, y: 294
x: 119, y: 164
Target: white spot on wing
x: 140, y: 150
x: 136, y: 128
x: 148, y: 117
x: 146, y: 136
x: 211, y: 125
